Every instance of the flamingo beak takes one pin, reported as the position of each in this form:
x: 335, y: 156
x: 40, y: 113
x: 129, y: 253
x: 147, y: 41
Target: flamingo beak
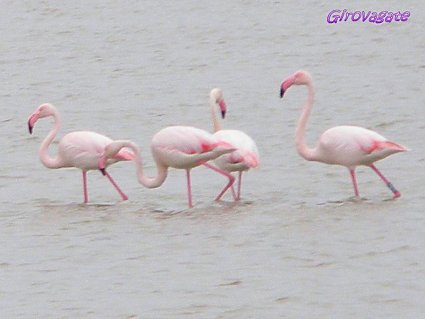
x: 286, y: 84
x: 223, y: 108
x: 31, y: 121
x: 102, y: 164
x: 282, y: 92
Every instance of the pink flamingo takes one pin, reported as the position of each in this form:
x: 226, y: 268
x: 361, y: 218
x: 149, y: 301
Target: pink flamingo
x: 348, y: 146
x: 181, y: 147
x: 246, y: 154
x: 77, y: 149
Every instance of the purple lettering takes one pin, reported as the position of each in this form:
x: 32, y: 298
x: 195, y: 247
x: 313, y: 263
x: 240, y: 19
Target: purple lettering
x: 333, y: 16
x: 389, y: 17
x: 342, y: 14
x: 364, y: 17
x: 405, y: 16
x: 381, y: 17
x: 397, y: 16
x: 348, y: 15
x: 373, y: 17
x: 359, y: 15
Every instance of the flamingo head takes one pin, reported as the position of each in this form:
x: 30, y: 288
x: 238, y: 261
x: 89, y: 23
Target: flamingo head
x: 114, y: 151
x: 298, y: 78
x: 44, y: 110
x: 216, y: 96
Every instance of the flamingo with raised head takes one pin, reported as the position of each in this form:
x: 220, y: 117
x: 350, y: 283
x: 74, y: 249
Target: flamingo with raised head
x: 349, y: 146
x: 246, y: 155
x: 181, y: 147
x: 80, y: 149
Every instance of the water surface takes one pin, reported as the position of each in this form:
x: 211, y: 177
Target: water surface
x: 296, y: 246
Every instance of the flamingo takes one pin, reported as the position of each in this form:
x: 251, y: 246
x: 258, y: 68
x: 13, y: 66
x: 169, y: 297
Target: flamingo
x: 246, y: 154
x: 181, y: 147
x: 80, y: 149
x: 348, y: 146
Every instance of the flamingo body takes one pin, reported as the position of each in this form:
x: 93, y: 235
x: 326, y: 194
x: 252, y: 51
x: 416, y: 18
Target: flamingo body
x: 349, y: 146
x: 181, y: 147
x: 246, y: 154
x: 80, y: 149
x: 244, y: 157
x: 184, y: 147
x: 352, y: 146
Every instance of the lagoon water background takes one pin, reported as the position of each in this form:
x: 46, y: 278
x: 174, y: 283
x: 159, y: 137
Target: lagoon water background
x: 296, y: 246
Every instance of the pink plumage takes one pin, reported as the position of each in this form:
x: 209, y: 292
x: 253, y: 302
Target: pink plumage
x: 246, y: 154
x: 80, y: 149
x: 349, y: 146
x: 181, y: 147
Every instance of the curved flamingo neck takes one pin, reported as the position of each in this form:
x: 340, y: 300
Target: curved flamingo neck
x: 46, y: 159
x: 149, y: 182
x: 152, y: 182
x: 305, y: 151
x: 215, y: 120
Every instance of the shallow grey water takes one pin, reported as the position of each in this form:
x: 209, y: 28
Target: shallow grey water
x: 295, y: 247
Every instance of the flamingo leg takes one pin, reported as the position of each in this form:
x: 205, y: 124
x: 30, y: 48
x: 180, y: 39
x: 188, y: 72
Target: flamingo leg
x: 239, y: 185
x: 228, y: 185
x: 123, y: 196
x: 235, y: 196
x: 386, y: 181
x: 189, y: 188
x: 86, y: 196
x: 353, y: 179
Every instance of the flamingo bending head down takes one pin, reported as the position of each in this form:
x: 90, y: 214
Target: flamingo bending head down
x: 181, y: 147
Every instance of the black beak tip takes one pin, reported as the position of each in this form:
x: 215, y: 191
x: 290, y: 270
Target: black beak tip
x: 30, y: 128
x: 223, y: 114
x: 103, y: 171
x: 282, y: 92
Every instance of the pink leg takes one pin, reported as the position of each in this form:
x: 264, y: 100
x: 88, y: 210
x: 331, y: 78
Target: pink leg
x: 229, y: 184
x: 235, y: 196
x: 86, y: 196
x: 239, y: 185
x: 123, y: 196
x: 353, y: 179
x: 386, y: 181
x: 189, y: 188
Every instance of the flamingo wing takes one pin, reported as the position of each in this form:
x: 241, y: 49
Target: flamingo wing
x: 82, y: 149
x: 353, y: 145
x: 186, y: 147
x: 246, y: 154
x: 184, y: 139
